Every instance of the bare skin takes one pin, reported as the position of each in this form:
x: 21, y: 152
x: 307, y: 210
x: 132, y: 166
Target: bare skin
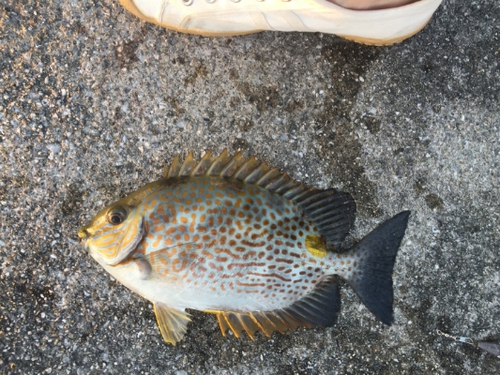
x: 371, y: 4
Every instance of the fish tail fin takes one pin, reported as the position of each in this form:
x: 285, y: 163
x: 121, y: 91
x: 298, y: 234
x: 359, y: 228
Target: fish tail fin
x: 376, y: 254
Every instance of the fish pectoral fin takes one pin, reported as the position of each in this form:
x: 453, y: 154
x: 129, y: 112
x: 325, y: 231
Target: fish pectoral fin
x: 172, y: 322
x: 320, y: 308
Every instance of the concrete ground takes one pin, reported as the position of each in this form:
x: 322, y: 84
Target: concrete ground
x: 94, y: 102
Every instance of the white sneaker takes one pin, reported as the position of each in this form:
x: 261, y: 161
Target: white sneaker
x: 238, y: 17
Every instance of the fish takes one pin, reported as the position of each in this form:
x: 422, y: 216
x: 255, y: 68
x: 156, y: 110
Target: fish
x: 236, y: 238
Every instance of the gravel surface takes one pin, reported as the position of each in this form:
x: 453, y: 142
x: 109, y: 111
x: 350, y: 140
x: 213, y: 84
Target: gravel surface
x: 94, y: 102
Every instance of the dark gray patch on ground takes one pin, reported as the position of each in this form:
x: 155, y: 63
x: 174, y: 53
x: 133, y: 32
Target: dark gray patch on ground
x: 93, y: 102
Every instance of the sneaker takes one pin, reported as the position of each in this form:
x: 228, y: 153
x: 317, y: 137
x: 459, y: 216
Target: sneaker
x: 239, y: 17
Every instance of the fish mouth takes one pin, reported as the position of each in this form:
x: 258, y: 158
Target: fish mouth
x: 83, y: 235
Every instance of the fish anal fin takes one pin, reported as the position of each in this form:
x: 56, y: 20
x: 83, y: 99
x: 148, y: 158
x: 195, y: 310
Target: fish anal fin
x: 237, y: 322
x: 171, y: 322
x: 222, y: 323
x: 320, y: 308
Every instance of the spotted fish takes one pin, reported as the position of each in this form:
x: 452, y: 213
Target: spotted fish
x: 238, y: 239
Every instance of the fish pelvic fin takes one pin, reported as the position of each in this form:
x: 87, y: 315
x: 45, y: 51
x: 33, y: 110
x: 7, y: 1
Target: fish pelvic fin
x: 171, y: 322
x: 319, y: 308
x: 376, y: 254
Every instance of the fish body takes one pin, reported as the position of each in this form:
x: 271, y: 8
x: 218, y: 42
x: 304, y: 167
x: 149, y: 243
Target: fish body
x: 238, y: 239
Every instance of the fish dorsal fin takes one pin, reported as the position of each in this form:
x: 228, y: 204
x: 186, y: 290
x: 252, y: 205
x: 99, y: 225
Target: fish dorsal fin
x: 320, y: 308
x: 247, y: 168
x: 204, y: 164
x: 232, y: 166
x: 219, y: 163
x: 188, y: 165
x: 257, y: 173
x: 332, y: 212
x: 174, y: 169
x: 172, y: 322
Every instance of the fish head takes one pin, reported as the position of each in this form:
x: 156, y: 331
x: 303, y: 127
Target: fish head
x: 114, y: 232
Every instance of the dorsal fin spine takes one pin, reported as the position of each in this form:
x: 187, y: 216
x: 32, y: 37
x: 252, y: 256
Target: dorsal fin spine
x: 262, y: 168
x: 307, y: 193
x: 294, y: 192
x: 188, y: 165
x: 269, y: 175
x: 233, y: 165
x: 205, y: 161
x: 276, y: 183
x: 219, y: 163
x: 246, y: 168
x: 231, y: 326
x: 286, y: 187
x: 174, y: 167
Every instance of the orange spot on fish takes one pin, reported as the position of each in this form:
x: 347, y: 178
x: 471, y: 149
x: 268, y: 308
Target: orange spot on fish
x: 179, y: 268
x: 207, y: 255
x: 157, y: 242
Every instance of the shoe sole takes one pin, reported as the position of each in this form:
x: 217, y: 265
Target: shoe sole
x: 132, y: 8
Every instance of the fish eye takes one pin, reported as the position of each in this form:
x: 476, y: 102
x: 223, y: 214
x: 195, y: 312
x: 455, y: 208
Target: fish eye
x: 116, y: 215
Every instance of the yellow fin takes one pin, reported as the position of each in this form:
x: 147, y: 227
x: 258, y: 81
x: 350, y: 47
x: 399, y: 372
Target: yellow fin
x: 251, y: 322
x: 174, y: 169
x: 188, y: 165
x: 203, y: 165
x: 319, y: 308
x: 316, y: 246
x: 172, y: 322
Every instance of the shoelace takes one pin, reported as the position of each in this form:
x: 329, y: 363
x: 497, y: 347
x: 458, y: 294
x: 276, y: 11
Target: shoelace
x: 189, y: 2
